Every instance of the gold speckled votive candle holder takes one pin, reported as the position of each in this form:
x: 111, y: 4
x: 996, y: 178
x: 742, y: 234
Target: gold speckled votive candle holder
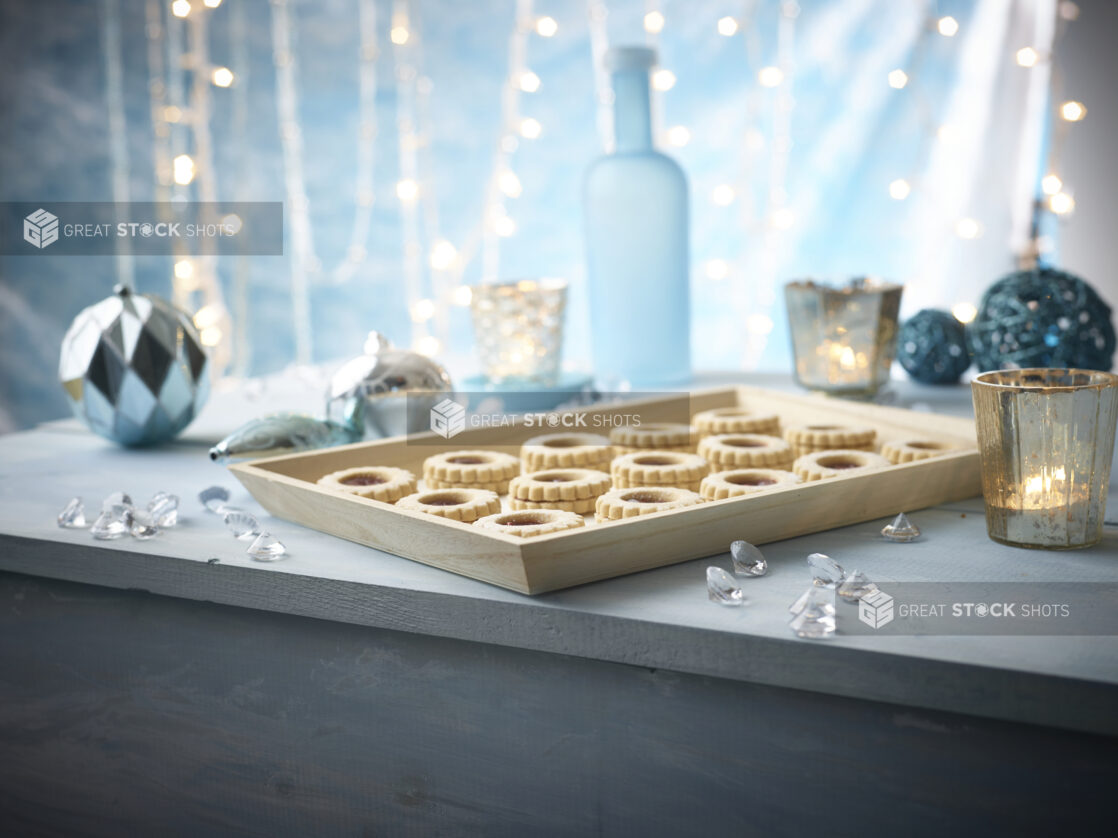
x: 1046, y: 439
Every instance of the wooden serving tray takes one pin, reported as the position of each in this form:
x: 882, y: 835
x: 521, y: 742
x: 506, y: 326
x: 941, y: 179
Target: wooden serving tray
x: 285, y: 486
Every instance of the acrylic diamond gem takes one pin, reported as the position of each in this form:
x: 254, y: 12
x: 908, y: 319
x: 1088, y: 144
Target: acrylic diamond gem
x: 901, y: 530
x: 72, y: 516
x: 825, y: 570
x: 266, y: 548
x: 855, y: 586
x: 748, y: 560
x: 722, y: 589
x: 116, y: 503
x: 108, y: 526
x: 242, y: 524
x: 214, y: 498
x: 164, y: 508
x: 141, y: 524
x: 817, y: 619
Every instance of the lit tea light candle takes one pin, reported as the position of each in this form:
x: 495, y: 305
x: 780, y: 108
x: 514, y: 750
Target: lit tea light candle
x: 844, y: 338
x: 1046, y: 440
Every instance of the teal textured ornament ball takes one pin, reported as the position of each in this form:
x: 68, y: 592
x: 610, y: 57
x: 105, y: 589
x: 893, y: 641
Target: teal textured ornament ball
x: 932, y: 347
x: 1042, y: 318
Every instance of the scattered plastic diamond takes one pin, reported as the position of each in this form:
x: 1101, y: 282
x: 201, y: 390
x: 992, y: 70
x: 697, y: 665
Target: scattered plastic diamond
x: 141, y: 524
x: 817, y: 619
x: 164, y: 508
x: 722, y: 589
x: 855, y: 586
x: 801, y: 602
x: 72, y: 517
x: 242, y: 524
x: 825, y: 570
x: 214, y: 498
x: 748, y: 560
x: 901, y: 530
x: 266, y: 548
x: 108, y: 526
x: 116, y: 503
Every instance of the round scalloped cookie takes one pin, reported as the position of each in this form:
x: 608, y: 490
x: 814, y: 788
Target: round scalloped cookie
x: 744, y: 481
x: 381, y: 483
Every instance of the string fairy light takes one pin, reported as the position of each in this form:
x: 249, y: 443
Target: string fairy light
x: 947, y: 26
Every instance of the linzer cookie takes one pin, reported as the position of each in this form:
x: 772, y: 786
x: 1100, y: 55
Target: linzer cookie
x: 466, y: 505
x: 572, y: 490
x: 736, y: 420
x: 566, y: 451
x: 530, y: 523
x: 375, y: 482
x: 827, y: 436
x: 474, y: 469
x: 660, y: 436
x: 911, y: 450
x: 821, y: 465
x: 642, y: 500
x: 679, y: 469
x: 726, y: 451
x: 744, y: 481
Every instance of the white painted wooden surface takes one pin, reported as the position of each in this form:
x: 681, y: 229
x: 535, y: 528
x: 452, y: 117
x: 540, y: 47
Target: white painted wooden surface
x: 659, y: 619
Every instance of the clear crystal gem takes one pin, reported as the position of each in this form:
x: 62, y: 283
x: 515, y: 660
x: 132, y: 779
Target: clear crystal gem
x: 108, y: 526
x: 266, y: 548
x: 214, y: 498
x: 901, y: 529
x: 748, y: 560
x: 72, y: 516
x: 164, y: 508
x: 242, y: 524
x: 855, y: 586
x: 141, y: 524
x: 825, y: 570
x: 116, y: 503
x: 722, y: 589
x: 816, y: 620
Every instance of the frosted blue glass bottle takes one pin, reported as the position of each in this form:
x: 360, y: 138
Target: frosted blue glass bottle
x: 635, y: 206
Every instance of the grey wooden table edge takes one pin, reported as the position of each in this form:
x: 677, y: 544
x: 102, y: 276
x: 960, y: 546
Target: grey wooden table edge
x: 991, y: 692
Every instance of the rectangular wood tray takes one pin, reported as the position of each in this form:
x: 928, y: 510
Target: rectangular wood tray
x: 285, y: 486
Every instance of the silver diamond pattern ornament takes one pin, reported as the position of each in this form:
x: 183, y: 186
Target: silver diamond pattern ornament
x: 134, y: 369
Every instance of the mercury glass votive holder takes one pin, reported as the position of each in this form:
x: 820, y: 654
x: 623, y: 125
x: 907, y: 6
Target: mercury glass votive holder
x: 844, y: 337
x: 1045, y: 441
x: 518, y: 328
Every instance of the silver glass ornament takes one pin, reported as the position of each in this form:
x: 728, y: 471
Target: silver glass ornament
x: 371, y: 392
x: 134, y: 369
x: 279, y: 433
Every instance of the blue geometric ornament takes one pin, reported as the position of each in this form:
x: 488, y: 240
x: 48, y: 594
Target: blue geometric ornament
x: 133, y: 368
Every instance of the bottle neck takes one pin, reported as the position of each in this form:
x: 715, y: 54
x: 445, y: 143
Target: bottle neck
x: 632, y: 117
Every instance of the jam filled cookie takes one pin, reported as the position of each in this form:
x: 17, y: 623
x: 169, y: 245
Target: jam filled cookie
x: 911, y: 450
x: 375, y: 482
x: 534, y: 522
x: 735, y: 420
x: 744, y: 481
x: 823, y: 464
x: 659, y: 436
x: 679, y: 469
x: 573, y: 490
x: 464, y: 505
x: 642, y: 500
x: 726, y: 451
x: 826, y: 436
x: 566, y: 451
x: 490, y: 470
